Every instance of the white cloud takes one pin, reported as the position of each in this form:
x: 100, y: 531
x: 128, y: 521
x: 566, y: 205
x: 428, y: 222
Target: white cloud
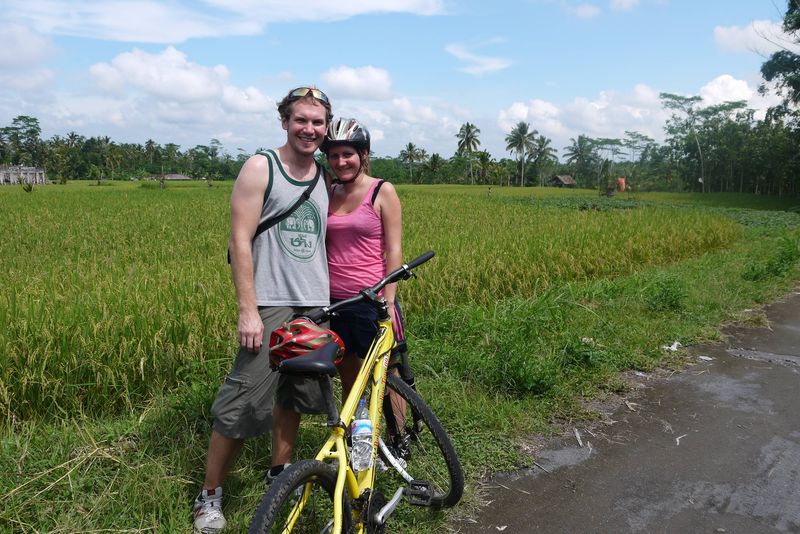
x: 29, y: 80
x: 430, y: 125
x: 760, y: 36
x: 365, y: 83
x: 167, y: 75
x: 725, y: 88
x: 608, y: 115
x: 623, y: 5
x: 22, y: 47
x: 476, y: 64
x: 585, y: 11
x: 401, y: 109
x: 315, y: 10
x: 148, y: 21
x: 247, y: 100
x: 151, y: 21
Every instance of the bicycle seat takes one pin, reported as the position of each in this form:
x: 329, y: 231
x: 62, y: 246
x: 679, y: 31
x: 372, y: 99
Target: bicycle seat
x: 316, y: 362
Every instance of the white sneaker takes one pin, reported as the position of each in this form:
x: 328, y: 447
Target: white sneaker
x: 208, y: 518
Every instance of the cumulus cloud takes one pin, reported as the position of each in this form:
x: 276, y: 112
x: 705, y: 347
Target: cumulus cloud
x: 247, y: 100
x: 365, y: 83
x: 725, y: 88
x: 476, y: 64
x: 27, y: 81
x: 760, y: 36
x: 168, y: 75
x: 623, y: 5
x: 585, y: 11
x: 167, y: 91
x: 429, y: 124
x: 22, y: 47
x: 610, y: 114
x: 173, y: 22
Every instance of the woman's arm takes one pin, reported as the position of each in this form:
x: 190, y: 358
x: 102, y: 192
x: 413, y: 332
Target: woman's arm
x: 388, y: 207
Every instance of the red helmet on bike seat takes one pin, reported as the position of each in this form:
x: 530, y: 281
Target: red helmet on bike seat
x: 300, y: 336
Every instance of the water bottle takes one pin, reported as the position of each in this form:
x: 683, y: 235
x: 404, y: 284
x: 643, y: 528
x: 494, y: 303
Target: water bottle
x: 361, y: 437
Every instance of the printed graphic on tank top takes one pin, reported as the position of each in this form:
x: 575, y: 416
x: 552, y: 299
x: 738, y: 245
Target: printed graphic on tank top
x: 300, y: 234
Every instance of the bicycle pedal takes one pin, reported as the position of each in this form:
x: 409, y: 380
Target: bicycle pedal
x: 419, y: 493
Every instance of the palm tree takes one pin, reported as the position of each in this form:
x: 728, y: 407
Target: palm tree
x: 580, y: 153
x: 521, y: 140
x: 411, y: 155
x: 485, y: 164
x: 468, y: 142
x: 434, y: 166
x: 545, y: 155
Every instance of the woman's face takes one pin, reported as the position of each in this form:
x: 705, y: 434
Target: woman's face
x: 345, y: 162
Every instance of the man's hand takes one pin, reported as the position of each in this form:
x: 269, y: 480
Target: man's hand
x: 251, y: 331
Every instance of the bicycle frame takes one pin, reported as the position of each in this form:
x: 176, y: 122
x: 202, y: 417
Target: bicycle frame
x: 373, y: 372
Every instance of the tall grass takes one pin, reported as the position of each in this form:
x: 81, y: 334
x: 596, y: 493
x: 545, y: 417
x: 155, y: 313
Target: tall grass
x: 115, y: 294
x: 117, y: 322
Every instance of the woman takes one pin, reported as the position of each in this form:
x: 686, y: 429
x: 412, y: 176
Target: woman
x: 363, y: 239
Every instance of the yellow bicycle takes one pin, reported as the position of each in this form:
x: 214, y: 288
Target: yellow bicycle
x: 410, y: 446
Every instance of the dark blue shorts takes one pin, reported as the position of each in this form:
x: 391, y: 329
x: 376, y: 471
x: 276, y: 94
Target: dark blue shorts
x: 357, y: 324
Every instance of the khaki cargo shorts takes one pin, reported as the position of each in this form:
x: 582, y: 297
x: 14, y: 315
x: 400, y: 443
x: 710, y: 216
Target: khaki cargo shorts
x: 243, y: 406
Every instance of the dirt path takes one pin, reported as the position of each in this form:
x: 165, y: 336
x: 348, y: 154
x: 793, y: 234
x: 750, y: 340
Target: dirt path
x: 713, y: 449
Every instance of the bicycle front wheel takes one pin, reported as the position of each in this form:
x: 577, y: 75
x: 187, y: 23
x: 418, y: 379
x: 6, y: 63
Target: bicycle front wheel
x: 279, y: 510
x: 415, y: 435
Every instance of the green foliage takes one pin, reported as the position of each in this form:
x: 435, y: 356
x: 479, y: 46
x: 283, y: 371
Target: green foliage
x: 779, y: 263
x: 665, y: 293
x: 114, y: 335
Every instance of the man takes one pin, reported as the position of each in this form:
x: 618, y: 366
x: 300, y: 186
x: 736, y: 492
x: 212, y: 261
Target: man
x: 276, y: 274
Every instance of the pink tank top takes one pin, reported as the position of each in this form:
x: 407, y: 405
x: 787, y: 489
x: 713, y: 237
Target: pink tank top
x: 355, y: 246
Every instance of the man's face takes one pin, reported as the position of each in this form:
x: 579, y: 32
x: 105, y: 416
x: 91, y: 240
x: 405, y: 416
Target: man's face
x: 305, y: 127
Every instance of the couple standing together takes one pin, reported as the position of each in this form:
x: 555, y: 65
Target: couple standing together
x: 345, y: 236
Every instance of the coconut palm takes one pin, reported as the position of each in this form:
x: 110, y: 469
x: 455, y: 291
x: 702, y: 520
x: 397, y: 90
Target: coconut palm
x: 580, y: 154
x: 521, y: 140
x: 468, y: 143
x: 485, y: 164
x: 544, y: 156
x: 434, y: 166
x: 411, y: 155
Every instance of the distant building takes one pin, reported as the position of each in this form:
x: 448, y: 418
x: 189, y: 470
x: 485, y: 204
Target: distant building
x: 176, y: 177
x: 15, y: 174
x: 562, y: 180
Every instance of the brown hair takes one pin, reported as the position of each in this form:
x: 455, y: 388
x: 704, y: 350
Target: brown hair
x: 285, y: 105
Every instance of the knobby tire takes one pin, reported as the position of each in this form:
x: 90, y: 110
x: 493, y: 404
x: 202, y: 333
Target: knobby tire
x: 278, y: 502
x: 430, y: 455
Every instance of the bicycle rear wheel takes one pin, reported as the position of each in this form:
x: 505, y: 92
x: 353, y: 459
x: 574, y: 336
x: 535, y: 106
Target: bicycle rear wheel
x: 277, y: 511
x: 415, y: 434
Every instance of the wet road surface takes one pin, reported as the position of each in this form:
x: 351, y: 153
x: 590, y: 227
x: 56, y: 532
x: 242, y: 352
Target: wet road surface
x: 714, y: 449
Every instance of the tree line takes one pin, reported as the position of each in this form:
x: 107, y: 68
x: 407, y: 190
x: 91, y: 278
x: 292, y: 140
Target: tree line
x: 75, y: 157
x: 720, y: 147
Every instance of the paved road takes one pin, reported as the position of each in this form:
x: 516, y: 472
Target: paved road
x: 713, y: 449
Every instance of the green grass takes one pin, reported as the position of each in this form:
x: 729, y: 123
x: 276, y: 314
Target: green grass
x: 117, y: 322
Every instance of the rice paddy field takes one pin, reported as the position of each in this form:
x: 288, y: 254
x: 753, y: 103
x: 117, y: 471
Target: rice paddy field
x: 118, y: 317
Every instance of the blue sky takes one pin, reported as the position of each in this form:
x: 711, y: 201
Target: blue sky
x: 410, y: 70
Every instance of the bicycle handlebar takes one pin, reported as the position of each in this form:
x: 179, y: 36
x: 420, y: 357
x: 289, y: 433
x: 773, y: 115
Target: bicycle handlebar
x: 370, y: 293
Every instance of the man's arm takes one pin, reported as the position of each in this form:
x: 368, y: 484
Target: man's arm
x: 246, y: 203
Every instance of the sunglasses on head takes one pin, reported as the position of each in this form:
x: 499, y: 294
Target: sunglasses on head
x: 300, y: 92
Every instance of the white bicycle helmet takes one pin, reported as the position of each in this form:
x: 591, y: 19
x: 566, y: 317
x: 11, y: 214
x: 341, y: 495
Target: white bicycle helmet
x: 346, y: 132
